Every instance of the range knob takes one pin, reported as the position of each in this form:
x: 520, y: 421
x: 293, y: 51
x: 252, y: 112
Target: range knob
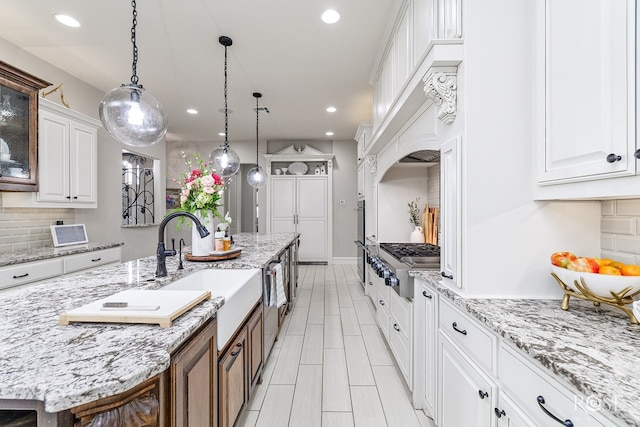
x: 392, y: 280
x: 386, y: 273
x: 382, y: 271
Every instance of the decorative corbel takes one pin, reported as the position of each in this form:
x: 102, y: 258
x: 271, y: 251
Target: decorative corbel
x: 373, y: 164
x: 440, y: 87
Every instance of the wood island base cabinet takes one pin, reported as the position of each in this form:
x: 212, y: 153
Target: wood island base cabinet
x: 141, y: 406
x: 240, y: 367
x: 194, y: 381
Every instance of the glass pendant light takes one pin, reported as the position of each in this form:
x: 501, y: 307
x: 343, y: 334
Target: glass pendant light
x: 257, y: 177
x: 224, y: 160
x: 128, y: 113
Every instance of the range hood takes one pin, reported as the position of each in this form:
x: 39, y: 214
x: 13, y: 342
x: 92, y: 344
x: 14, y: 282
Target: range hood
x: 422, y: 156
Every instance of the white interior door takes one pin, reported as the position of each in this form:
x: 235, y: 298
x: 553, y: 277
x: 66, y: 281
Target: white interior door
x: 312, y: 214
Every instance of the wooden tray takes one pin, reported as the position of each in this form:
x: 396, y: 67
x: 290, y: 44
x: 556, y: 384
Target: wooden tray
x: 218, y: 256
x: 171, y: 304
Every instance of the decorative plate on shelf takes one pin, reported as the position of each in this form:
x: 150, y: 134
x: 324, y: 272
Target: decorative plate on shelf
x: 298, y: 168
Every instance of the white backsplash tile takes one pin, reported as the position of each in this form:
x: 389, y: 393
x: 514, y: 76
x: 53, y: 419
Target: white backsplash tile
x: 619, y: 233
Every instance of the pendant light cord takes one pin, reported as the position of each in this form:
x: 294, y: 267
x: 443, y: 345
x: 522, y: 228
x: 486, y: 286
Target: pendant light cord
x: 134, y: 75
x: 226, y: 111
x: 257, y: 120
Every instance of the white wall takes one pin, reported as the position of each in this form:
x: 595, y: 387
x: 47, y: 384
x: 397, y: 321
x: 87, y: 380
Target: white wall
x: 103, y: 223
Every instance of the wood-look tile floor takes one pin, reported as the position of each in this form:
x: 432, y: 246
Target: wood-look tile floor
x: 330, y: 365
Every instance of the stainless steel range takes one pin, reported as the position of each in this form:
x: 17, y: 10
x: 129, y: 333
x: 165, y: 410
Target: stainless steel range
x: 394, y: 261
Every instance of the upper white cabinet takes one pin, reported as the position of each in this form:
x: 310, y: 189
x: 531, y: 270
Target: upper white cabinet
x: 67, y: 152
x: 586, y: 93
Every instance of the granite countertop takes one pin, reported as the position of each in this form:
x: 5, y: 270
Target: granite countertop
x: 37, y: 254
x: 66, y: 366
x: 595, y: 351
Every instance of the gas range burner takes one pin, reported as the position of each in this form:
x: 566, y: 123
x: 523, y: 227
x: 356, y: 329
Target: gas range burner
x: 412, y: 250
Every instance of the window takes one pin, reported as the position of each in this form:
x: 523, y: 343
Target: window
x: 138, y: 189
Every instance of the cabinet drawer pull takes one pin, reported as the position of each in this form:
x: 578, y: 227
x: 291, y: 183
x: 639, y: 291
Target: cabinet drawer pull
x: 426, y: 295
x: 235, y: 353
x: 381, y: 302
x: 443, y: 274
x: 69, y: 197
x: 482, y: 394
x: 75, y: 197
x: 499, y: 412
x: 636, y: 154
x: 96, y: 259
x: 455, y: 328
x: 612, y: 158
x: 20, y: 276
x: 395, y: 326
x: 566, y: 423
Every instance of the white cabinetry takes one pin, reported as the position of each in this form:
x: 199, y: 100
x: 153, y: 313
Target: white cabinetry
x: 451, y: 212
x: 534, y: 392
x: 401, y: 334
x: 465, y: 394
x: 587, y: 92
x: 67, y: 153
x: 301, y: 204
x: 481, y: 379
x: 394, y: 315
x: 425, y: 347
x: 36, y: 271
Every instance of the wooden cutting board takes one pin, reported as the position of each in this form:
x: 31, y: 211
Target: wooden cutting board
x: 144, y: 306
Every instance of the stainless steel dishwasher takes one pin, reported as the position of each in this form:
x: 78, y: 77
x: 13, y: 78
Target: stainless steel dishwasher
x: 270, y: 312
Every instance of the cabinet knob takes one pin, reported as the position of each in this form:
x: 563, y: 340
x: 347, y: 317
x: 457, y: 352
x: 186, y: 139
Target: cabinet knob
x: 612, y: 158
x: 566, y: 423
x: 499, y: 412
x: 483, y: 394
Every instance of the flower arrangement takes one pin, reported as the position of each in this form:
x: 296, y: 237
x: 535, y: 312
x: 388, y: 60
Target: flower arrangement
x: 200, y: 188
x: 414, y: 213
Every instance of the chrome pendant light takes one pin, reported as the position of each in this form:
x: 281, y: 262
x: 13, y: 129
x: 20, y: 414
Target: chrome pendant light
x: 257, y: 177
x: 224, y: 160
x: 128, y: 113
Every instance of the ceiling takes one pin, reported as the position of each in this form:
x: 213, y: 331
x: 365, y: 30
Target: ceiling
x: 280, y: 48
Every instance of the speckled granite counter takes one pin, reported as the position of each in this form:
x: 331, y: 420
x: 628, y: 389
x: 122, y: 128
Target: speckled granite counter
x: 37, y: 254
x: 66, y: 366
x: 597, y: 353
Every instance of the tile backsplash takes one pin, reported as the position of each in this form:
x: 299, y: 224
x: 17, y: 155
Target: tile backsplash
x: 620, y: 231
x: 25, y: 228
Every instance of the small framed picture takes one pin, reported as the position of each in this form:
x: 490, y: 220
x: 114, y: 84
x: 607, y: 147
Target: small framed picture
x: 71, y: 234
x: 173, y: 198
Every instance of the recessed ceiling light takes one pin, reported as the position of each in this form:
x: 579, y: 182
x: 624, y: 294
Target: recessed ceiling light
x: 66, y: 20
x: 331, y: 16
x: 221, y: 133
x: 331, y: 109
x: 192, y: 111
x: 329, y: 133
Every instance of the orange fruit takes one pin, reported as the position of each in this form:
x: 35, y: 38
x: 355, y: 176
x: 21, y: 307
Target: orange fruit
x: 603, y: 261
x: 616, y: 264
x: 630, y: 270
x: 608, y: 269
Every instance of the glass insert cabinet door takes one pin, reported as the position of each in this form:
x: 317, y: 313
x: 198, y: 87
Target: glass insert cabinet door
x: 19, y: 129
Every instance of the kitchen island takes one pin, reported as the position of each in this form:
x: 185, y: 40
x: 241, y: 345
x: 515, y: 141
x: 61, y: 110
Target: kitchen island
x: 594, y: 352
x: 67, y: 366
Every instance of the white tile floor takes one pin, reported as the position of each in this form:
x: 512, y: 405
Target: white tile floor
x: 330, y: 365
